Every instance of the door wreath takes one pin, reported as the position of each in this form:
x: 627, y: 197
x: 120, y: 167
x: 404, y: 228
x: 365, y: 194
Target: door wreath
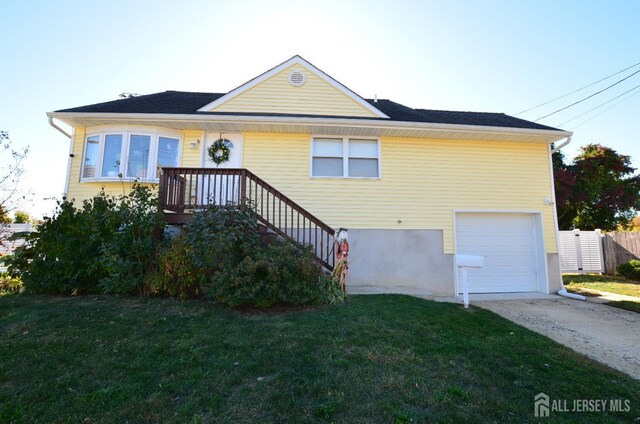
x: 219, y: 151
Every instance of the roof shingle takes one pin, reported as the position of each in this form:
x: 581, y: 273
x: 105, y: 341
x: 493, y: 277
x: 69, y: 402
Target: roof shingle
x: 183, y: 102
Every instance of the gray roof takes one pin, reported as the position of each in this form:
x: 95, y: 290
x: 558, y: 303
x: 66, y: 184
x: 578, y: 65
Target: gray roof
x: 183, y: 102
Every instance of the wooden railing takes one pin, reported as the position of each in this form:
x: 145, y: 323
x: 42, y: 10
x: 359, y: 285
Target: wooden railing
x: 186, y: 190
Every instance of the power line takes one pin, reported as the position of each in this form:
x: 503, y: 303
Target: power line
x: 588, y: 97
x: 599, y: 106
x: 579, y: 89
x: 607, y: 109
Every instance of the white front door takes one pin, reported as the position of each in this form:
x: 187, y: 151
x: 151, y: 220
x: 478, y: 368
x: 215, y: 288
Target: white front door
x: 233, y: 141
x: 220, y: 189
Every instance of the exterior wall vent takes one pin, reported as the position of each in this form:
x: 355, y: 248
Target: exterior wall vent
x: 297, y: 78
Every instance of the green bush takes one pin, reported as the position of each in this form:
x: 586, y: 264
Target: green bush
x: 213, y: 239
x: 274, y: 274
x: 106, y: 245
x: 630, y: 270
x: 9, y: 284
x: 130, y: 255
x: 177, y: 274
x: 221, y: 237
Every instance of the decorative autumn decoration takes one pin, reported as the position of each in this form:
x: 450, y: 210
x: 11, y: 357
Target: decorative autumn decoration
x: 219, y: 151
x: 341, y: 267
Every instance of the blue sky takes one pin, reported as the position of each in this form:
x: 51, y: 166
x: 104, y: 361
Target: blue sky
x: 501, y: 56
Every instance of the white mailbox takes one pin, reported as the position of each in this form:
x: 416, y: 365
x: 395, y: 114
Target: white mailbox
x: 463, y: 263
x: 470, y: 261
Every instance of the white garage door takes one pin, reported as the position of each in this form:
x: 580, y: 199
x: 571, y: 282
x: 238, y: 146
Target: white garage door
x: 509, y: 243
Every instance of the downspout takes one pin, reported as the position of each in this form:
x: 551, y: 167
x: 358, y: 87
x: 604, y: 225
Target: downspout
x: 563, y: 290
x: 70, y: 137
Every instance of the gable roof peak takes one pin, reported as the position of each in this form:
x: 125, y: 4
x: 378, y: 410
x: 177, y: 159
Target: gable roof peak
x: 296, y: 59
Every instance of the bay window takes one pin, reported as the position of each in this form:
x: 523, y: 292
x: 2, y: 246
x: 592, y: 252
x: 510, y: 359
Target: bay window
x: 345, y: 158
x: 139, y: 151
x: 91, y: 153
x: 112, y: 155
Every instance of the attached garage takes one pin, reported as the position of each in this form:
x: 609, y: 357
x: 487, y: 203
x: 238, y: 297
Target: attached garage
x: 513, y: 248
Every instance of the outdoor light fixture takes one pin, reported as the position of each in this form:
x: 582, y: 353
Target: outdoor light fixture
x: 194, y: 143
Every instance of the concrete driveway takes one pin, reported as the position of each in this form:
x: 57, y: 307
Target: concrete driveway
x: 604, y: 333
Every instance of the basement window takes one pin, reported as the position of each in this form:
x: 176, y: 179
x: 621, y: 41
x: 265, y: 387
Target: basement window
x: 128, y: 155
x: 345, y: 158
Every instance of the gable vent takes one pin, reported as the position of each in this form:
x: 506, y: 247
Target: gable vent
x: 297, y: 78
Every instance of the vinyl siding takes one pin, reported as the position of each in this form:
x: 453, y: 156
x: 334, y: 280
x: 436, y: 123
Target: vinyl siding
x: 85, y: 190
x: 422, y: 182
x: 276, y: 95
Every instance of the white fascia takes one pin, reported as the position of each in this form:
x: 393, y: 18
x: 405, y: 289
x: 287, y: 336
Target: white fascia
x: 310, y: 121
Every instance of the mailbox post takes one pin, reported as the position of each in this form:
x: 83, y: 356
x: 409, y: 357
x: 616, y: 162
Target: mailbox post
x: 463, y: 263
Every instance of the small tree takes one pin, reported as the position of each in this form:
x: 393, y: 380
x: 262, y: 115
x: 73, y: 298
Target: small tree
x: 598, y: 190
x: 22, y: 217
x: 11, y: 171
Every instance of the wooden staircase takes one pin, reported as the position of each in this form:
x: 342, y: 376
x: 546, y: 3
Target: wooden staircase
x: 186, y: 190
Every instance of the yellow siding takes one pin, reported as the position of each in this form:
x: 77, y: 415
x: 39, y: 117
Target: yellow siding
x: 423, y: 182
x: 85, y: 190
x: 276, y: 95
x: 191, y: 157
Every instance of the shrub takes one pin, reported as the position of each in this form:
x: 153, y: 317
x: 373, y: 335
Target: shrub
x: 630, y: 270
x: 129, y: 256
x: 222, y: 237
x: 274, y: 274
x: 177, y: 274
x: 107, y: 245
x: 9, y: 284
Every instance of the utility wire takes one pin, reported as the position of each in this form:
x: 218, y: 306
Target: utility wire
x: 588, y: 97
x: 579, y: 89
x: 607, y: 109
x: 599, y: 106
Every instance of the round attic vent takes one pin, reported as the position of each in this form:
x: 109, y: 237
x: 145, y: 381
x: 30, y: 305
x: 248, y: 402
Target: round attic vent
x: 296, y: 78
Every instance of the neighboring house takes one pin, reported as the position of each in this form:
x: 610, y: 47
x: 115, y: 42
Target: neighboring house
x: 413, y: 186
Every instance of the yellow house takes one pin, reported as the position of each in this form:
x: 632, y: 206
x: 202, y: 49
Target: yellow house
x: 414, y: 187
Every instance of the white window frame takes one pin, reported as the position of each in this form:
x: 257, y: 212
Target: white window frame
x: 126, y: 133
x: 345, y: 157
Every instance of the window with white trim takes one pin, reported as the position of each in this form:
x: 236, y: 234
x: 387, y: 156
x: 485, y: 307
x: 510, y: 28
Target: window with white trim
x: 345, y: 158
x: 112, y: 155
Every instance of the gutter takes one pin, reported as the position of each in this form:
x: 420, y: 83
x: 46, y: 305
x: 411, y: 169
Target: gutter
x: 563, y: 290
x: 555, y: 149
x: 287, y: 120
x: 54, y: 125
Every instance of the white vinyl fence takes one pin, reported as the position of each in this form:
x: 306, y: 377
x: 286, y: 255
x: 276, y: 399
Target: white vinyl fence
x: 581, y: 251
x: 7, y: 247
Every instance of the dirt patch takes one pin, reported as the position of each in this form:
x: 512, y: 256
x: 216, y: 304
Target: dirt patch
x: 608, y: 335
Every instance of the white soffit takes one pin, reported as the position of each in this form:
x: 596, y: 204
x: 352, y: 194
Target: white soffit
x: 343, y: 127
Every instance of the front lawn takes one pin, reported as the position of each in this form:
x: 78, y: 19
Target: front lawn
x: 386, y: 358
x: 613, y: 284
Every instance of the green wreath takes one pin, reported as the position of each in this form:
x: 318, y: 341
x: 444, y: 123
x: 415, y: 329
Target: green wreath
x: 219, y: 151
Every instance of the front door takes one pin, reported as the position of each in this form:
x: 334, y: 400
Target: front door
x: 233, y: 141
x: 223, y: 190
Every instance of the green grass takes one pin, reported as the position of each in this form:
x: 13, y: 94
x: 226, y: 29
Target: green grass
x: 385, y: 359
x: 626, y: 304
x: 608, y: 283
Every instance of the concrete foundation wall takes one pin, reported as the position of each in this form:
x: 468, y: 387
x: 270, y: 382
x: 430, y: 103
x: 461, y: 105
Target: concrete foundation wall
x: 553, y: 271
x: 412, y: 260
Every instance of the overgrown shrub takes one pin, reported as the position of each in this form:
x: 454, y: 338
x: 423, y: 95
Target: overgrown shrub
x: 630, y: 270
x: 176, y: 273
x: 129, y: 256
x: 9, y: 284
x: 222, y: 237
x: 274, y: 274
x: 106, y: 245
